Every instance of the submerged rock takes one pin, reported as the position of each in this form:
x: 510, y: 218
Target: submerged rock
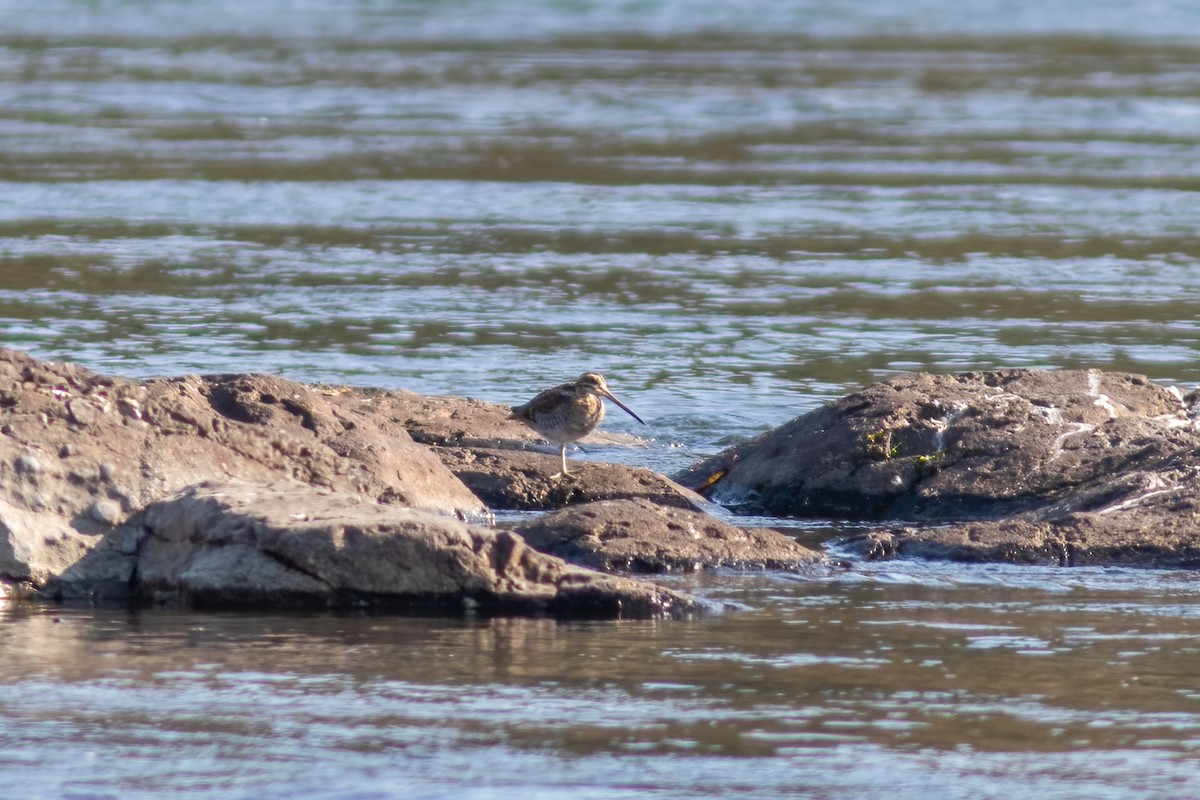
x: 289, y: 544
x: 643, y: 536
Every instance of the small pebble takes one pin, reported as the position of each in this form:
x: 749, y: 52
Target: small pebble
x: 81, y: 412
x: 107, y: 471
x: 29, y: 464
x: 106, y: 512
x: 129, y: 407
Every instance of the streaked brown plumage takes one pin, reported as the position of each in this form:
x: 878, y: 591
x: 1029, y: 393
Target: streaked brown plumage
x: 569, y: 412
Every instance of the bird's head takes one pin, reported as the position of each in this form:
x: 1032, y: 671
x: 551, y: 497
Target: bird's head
x: 594, y: 383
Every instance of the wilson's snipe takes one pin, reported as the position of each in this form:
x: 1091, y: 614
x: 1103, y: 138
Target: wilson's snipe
x: 569, y: 412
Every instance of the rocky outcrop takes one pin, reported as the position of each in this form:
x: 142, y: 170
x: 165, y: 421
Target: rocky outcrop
x: 338, y: 437
x: 244, y: 488
x: 643, y: 536
x: 107, y: 490
x: 946, y: 447
x: 82, y: 453
x: 1072, y: 467
x: 289, y: 544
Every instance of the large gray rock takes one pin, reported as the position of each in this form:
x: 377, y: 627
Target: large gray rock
x: 286, y: 543
x: 1073, y: 467
x: 81, y: 454
x: 946, y: 447
x: 642, y: 536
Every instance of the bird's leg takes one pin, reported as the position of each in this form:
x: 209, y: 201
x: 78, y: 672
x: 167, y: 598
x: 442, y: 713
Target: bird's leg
x: 563, y: 453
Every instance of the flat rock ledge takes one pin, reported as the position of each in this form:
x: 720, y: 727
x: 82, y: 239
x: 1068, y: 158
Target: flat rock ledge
x: 1154, y: 528
x: 1030, y: 466
x: 518, y: 480
x: 288, y: 544
x: 642, y: 536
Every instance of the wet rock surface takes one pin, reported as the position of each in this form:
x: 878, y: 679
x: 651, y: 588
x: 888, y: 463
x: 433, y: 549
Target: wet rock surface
x: 644, y: 536
x: 290, y: 544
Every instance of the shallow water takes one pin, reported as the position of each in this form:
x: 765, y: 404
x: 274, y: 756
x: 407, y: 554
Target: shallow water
x: 905, y: 679
x: 736, y: 212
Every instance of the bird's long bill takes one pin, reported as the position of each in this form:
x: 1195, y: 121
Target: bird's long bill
x: 624, y: 407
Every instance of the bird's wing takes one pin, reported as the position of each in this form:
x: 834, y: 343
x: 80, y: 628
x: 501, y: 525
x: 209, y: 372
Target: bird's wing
x: 542, y: 398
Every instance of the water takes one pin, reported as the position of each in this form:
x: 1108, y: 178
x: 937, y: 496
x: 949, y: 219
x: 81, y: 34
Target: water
x: 905, y: 679
x: 736, y: 212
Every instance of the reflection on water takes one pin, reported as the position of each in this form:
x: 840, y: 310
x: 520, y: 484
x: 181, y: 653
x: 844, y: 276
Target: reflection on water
x: 734, y: 211
x: 978, y: 682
